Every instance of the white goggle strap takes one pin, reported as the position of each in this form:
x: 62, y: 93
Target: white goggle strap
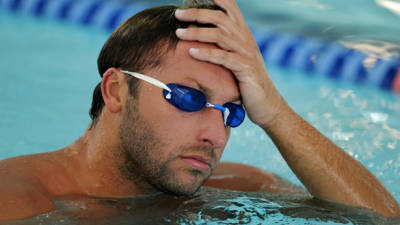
x: 148, y: 79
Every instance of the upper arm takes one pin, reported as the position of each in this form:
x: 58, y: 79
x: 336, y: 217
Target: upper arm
x: 241, y: 177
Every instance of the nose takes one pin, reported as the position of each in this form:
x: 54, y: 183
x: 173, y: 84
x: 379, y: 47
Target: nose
x: 213, y: 131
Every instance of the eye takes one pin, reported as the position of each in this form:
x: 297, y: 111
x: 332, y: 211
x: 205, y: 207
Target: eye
x: 185, y: 98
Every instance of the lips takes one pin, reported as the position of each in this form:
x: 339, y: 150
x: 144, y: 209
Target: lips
x: 197, y: 162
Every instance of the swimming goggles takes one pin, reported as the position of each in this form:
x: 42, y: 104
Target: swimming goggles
x: 191, y: 100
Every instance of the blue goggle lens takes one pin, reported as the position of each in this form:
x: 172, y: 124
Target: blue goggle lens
x: 236, y: 114
x: 192, y: 100
x: 185, y: 98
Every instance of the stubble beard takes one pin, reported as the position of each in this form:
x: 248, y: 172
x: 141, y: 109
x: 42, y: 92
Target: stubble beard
x: 142, y: 161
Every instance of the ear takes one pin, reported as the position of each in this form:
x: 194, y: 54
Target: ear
x: 111, y: 88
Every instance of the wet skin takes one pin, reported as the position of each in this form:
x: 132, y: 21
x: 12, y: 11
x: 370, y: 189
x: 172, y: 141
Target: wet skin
x: 190, y: 144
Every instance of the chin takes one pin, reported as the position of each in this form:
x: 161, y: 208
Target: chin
x: 187, y: 184
x: 198, y: 178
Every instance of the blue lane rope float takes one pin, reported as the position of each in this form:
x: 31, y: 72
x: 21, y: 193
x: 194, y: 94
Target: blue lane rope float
x: 311, y: 55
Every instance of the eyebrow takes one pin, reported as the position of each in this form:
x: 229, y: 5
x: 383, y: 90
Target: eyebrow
x: 206, y: 92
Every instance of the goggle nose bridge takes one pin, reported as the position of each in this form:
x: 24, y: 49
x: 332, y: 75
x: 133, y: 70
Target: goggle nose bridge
x: 224, y: 110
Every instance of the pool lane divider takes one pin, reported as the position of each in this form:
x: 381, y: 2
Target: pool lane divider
x: 310, y: 55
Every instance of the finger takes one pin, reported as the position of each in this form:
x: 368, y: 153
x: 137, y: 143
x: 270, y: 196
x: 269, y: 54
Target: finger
x: 232, y: 10
x: 211, y: 35
x: 217, y: 56
x: 207, y: 16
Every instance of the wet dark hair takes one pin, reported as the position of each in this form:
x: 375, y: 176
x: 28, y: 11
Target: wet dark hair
x: 140, y: 43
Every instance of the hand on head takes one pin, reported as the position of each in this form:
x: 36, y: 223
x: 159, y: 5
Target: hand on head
x: 238, y: 52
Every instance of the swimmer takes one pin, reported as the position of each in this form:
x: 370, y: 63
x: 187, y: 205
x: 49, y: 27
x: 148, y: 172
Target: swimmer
x: 174, y: 84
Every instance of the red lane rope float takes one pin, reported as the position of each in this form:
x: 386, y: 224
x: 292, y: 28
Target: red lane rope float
x: 396, y: 82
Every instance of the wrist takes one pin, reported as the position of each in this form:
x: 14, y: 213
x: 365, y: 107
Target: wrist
x: 281, y: 111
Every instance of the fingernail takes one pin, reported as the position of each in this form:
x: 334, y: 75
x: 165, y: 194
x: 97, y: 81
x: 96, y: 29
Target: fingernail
x: 194, y: 50
x: 180, y: 31
x: 179, y: 12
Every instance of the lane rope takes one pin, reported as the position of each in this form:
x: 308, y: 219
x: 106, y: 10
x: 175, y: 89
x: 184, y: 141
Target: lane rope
x: 290, y: 51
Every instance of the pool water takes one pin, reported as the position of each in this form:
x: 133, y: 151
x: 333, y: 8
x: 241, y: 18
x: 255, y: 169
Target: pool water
x: 49, y: 72
x: 208, y: 206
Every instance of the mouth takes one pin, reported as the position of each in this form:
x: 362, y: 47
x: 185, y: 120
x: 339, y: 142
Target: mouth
x: 197, y: 162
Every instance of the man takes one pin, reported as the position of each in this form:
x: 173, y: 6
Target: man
x: 149, y: 134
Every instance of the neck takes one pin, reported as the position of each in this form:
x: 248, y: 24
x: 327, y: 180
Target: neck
x: 93, y: 162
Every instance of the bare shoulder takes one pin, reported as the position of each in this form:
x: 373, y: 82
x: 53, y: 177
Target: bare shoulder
x: 242, y: 177
x: 21, y: 195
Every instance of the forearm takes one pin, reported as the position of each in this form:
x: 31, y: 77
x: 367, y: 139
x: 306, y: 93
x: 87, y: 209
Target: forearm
x: 325, y: 169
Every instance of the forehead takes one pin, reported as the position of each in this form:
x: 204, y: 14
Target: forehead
x: 179, y: 67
